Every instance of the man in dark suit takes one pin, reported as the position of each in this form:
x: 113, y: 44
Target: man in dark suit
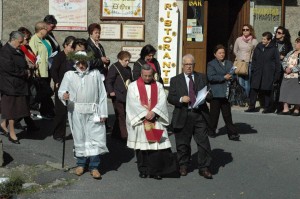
x: 188, y: 121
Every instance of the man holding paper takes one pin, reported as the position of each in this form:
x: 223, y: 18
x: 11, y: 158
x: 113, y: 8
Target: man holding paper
x: 190, y: 120
x: 146, y: 120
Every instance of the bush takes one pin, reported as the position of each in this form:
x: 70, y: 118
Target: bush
x: 11, y: 187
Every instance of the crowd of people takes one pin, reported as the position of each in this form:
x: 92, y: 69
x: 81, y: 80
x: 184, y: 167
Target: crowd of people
x: 83, y: 78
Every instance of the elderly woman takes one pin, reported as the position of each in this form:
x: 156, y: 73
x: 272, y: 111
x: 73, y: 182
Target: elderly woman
x: 265, y: 72
x: 117, y: 81
x: 101, y: 61
x: 13, y: 86
x: 219, y: 75
x: 147, y: 57
x: 59, y: 67
x: 243, y: 48
x: 42, y: 47
x: 290, y: 86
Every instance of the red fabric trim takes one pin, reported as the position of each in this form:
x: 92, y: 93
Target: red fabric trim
x: 152, y: 65
x: 30, y: 55
x: 143, y: 94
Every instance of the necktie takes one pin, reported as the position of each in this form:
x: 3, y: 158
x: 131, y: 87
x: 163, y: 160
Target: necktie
x: 192, y: 91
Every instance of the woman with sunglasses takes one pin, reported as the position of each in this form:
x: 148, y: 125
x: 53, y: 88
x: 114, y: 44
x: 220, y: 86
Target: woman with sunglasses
x: 243, y: 49
x: 282, y: 40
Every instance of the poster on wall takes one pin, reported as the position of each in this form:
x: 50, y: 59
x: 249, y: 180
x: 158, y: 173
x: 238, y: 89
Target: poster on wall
x: 167, y: 53
x: 70, y: 14
x: 122, y: 10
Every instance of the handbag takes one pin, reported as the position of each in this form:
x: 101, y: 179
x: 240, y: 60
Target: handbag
x: 241, y: 67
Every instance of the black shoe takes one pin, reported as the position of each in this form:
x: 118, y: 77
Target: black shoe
x: 295, y: 114
x: 3, y: 132
x: 212, y: 135
x: 58, y: 139
x: 143, y: 175
x: 157, y: 177
x: 206, y: 174
x: 234, y: 137
x: 284, y: 113
x: 250, y: 110
x: 266, y: 111
x: 13, y: 141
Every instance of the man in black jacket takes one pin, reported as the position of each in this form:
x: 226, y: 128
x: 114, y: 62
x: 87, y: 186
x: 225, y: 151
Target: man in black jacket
x: 189, y: 121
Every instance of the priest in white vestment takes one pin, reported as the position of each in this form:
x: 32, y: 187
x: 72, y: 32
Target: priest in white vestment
x: 146, y: 120
x: 84, y: 94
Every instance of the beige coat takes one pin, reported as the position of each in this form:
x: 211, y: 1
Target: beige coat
x: 40, y: 51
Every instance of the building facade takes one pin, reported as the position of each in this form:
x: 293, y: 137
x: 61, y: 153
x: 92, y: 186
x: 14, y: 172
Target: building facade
x: 201, y: 23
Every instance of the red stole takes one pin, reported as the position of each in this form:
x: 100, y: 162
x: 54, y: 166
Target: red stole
x: 30, y: 55
x: 143, y: 94
x: 153, y: 135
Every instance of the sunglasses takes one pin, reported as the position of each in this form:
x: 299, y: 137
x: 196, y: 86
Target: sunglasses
x: 245, y: 29
x: 280, y: 33
x: 27, y: 39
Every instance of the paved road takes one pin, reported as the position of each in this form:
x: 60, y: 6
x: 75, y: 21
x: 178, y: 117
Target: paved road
x: 263, y: 165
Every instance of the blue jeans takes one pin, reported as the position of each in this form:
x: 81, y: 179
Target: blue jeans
x: 93, y: 164
x: 244, y: 81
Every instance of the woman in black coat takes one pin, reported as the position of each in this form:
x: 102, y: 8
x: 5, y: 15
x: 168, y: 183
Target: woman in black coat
x: 265, y: 72
x: 14, y: 73
x: 219, y: 75
x: 59, y: 67
x: 101, y: 61
x: 117, y: 80
x: 147, y: 57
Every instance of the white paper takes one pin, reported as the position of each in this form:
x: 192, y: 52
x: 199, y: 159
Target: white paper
x: 50, y: 59
x: 201, y: 95
x: 231, y: 72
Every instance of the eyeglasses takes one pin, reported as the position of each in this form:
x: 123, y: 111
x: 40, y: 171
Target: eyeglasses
x: 244, y: 29
x: 189, y: 64
x: 280, y: 33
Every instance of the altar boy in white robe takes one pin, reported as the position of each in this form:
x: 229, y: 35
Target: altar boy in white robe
x: 146, y: 120
x: 84, y: 94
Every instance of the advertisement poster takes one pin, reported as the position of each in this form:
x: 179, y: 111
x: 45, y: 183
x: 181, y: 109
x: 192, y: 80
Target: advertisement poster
x: 70, y: 14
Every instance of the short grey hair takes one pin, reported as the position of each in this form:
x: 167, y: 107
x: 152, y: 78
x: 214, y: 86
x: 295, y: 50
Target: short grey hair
x: 146, y: 67
x: 188, y: 56
x: 14, y: 35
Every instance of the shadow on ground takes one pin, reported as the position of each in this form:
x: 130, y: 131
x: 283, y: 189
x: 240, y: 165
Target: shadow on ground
x: 7, y: 158
x: 220, y: 158
x: 118, y: 154
x: 242, y: 128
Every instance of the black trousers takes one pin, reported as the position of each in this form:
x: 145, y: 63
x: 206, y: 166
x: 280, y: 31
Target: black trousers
x: 195, y: 127
x: 221, y: 104
x: 47, y: 105
x: 156, y: 162
x: 266, y: 95
x: 60, y: 119
x: 119, y: 128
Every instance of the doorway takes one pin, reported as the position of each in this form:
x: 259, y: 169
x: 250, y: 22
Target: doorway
x: 225, y: 20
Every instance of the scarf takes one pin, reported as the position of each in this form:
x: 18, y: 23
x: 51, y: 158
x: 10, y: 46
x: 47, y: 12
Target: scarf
x: 247, y: 39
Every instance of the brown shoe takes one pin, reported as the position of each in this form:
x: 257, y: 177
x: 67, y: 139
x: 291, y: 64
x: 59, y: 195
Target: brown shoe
x: 183, y: 171
x: 206, y: 174
x: 96, y: 174
x: 79, y: 171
